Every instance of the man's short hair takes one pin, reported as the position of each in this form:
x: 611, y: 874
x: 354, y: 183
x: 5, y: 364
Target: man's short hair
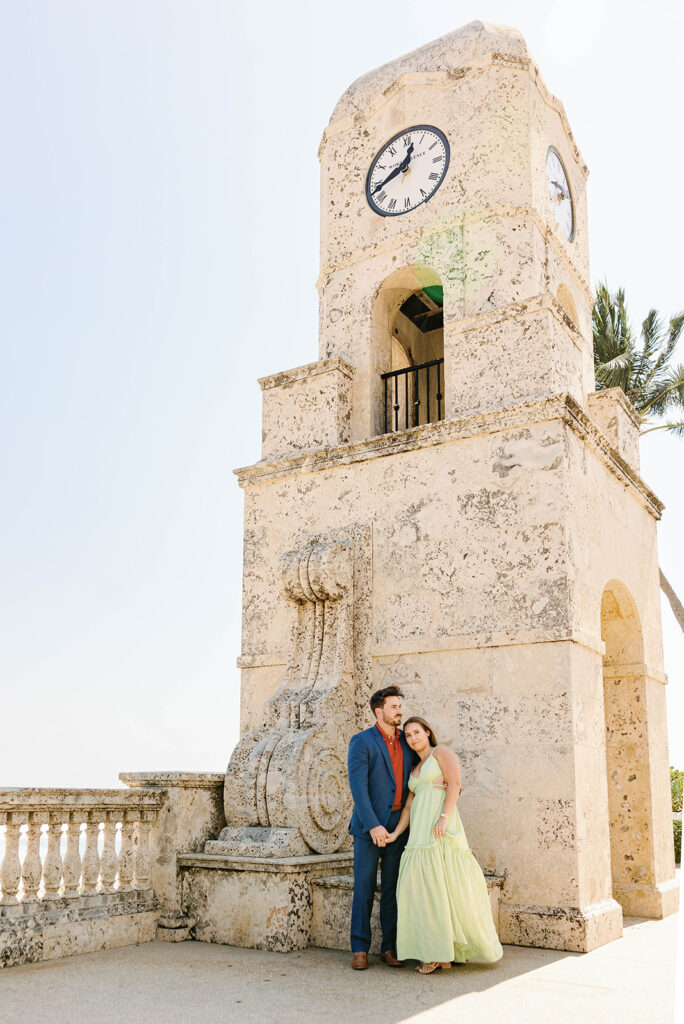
x: 380, y: 696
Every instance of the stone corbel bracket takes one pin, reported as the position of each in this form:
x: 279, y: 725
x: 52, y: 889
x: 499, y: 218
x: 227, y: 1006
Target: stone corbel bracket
x: 286, y: 790
x: 318, y: 580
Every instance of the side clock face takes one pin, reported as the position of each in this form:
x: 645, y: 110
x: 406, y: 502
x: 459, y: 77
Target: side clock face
x: 559, y: 193
x: 407, y: 171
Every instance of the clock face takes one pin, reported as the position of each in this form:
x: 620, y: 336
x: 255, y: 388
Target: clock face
x: 407, y: 171
x: 559, y: 193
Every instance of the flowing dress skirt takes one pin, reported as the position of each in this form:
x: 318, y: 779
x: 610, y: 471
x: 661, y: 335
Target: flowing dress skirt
x: 443, y: 906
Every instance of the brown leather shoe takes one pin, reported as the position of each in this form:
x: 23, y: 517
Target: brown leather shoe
x: 390, y: 958
x: 360, y: 961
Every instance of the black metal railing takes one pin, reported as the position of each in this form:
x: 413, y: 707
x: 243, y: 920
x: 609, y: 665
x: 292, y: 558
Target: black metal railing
x: 409, y: 401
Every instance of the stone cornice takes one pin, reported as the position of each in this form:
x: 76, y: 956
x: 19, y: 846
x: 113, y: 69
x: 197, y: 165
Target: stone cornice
x: 548, y: 233
x: 476, y: 641
x: 173, y: 780
x: 308, y: 370
x: 441, y: 78
x: 562, y: 407
x: 638, y: 669
x: 594, y: 438
x: 461, y: 642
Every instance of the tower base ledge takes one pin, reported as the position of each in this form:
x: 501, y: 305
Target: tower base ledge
x: 577, y: 930
x: 255, y: 902
x: 655, y: 901
x: 279, y: 904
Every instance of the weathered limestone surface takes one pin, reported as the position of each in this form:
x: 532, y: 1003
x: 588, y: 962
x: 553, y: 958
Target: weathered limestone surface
x: 192, y: 813
x: 509, y: 567
x: 46, y: 932
x: 614, y: 414
x: 254, y: 901
x: 320, y: 392
x: 59, y: 894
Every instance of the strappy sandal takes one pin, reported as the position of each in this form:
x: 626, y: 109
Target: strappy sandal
x: 432, y: 966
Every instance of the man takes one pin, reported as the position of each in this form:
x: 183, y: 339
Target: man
x: 379, y: 765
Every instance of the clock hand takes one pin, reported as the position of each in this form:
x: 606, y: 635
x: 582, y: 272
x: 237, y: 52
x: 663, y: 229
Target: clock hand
x: 392, y: 174
x: 397, y: 170
x: 563, y: 193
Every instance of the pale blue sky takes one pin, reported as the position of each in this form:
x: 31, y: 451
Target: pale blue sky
x: 153, y: 265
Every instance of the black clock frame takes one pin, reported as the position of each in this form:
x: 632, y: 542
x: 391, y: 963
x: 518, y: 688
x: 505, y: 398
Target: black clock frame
x: 410, y: 128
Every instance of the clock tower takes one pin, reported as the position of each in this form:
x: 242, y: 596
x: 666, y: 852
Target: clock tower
x: 444, y: 502
x: 488, y: 202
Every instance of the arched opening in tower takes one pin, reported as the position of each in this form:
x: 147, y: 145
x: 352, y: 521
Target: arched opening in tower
x: 628, y: 760
x: 409, y: 329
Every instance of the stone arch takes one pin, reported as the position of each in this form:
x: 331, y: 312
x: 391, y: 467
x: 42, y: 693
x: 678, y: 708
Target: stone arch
x: 408, y: 331
x: 627, y: 748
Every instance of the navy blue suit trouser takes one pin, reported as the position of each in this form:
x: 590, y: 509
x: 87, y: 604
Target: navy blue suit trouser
x: 366, y: 859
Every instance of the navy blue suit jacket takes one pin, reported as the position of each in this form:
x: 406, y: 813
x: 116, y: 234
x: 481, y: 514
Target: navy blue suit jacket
x: 371, y: 779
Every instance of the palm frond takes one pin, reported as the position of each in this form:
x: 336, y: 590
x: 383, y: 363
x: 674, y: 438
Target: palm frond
x: 673, y: 331
x: 651, y: 340
x: 668, y: 393
x: 640, y: 368
x: 674, y: 428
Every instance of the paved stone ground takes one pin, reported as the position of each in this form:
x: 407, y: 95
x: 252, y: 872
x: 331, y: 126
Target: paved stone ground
x: 630, y: 981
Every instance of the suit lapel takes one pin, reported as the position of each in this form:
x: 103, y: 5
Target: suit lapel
x: 375, y: 733
x: 408, y: 758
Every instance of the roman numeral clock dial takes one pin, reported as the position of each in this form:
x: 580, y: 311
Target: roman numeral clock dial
x: 407, y: 171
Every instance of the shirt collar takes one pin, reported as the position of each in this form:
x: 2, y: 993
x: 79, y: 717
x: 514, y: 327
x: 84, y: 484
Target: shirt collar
x: 385, y: 736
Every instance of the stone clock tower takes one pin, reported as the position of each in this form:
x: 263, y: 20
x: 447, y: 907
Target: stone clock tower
x: 444, y: 502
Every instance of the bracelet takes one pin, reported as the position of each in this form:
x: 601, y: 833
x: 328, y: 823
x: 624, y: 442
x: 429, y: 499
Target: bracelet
x: 444, y: 815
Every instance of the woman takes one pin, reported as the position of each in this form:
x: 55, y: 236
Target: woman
x: 443, y: 904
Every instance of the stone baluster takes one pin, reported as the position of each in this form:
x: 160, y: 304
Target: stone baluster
x: 71, y: 871
x: 32, y: 868
x: 90, y: 869
x: 52, y: 868
x: 127, y: 853
x: 142, y: 851
x: 108, y: 861
x: 10, y: 869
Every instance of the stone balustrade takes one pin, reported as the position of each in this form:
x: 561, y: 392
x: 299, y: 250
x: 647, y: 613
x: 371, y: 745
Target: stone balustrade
x: 88, y: 869
x: 75, y: 842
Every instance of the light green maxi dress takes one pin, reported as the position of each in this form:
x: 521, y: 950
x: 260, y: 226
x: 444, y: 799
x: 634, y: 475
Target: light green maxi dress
x: 442, y: 900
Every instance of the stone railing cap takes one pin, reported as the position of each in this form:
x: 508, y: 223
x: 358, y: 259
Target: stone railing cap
x: 173, y: 780
x: 32, y: 798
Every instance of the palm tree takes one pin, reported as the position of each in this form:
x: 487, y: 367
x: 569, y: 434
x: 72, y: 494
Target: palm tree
x: 643, y: 371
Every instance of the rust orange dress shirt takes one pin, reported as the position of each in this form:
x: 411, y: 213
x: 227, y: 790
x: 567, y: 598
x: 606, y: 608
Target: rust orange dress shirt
x: 397, y: 758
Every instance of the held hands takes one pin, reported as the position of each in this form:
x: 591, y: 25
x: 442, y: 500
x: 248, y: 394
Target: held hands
x: 380, y: 835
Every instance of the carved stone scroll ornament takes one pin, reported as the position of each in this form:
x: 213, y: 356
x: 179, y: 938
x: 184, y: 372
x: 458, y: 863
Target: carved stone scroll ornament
x: 286, y: 791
